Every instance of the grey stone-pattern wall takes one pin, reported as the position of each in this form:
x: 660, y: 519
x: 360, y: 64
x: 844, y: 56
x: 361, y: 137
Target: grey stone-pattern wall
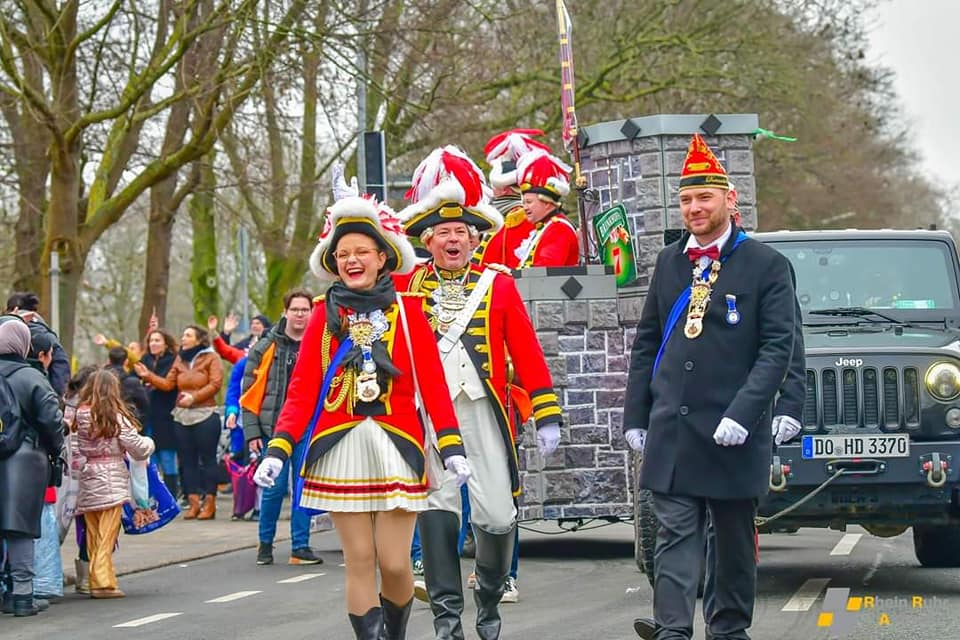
x: 589, y: 474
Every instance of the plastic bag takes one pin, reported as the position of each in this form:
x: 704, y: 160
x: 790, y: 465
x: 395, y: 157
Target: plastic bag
x: 244, y: 488
x: 160, y: 509
x: 66, y: 505
x: 139, y: 485
x: 47, y: 566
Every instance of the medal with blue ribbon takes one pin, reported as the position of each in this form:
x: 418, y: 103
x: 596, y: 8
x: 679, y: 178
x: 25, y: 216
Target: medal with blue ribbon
x: 733, y: 316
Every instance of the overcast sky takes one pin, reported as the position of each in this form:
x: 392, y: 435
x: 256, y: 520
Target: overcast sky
x: 918, y: 40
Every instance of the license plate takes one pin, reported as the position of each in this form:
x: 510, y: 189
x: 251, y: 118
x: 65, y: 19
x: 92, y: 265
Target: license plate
x: 872, y: 446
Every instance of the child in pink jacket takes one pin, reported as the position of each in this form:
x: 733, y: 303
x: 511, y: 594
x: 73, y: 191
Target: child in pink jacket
x: 106, y: 431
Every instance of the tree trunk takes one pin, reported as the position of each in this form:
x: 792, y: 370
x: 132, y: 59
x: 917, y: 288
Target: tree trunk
x: 62, y: 236
x: 284, y: 272
x: 203, y: 271
x: 156, y: 284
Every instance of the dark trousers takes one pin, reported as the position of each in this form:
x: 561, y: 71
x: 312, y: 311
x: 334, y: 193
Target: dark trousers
x: 677, y: 561
x: 197, y: 450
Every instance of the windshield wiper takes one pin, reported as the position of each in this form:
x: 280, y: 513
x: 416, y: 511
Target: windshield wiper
x: 857, y: 312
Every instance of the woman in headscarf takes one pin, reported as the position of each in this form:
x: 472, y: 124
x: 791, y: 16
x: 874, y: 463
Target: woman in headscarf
x: 35, y: 437
x: 197, y: 376
x: 365, y: 462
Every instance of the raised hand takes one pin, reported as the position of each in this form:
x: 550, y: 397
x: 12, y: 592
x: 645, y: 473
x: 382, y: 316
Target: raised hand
x: 230, y: 323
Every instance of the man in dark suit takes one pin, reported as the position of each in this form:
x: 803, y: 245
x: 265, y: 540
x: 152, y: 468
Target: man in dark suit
x: 698, y: 399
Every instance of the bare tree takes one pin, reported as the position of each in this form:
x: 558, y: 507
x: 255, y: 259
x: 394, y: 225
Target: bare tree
x: 125, y: 57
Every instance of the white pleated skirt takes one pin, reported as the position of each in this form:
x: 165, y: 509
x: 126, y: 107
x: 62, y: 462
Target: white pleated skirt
x: 363, y: 472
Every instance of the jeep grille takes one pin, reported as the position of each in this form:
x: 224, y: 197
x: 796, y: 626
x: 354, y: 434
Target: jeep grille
x: 868, y: 397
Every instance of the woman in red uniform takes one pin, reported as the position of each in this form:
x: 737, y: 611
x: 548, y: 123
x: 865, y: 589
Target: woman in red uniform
x: 366, y: 452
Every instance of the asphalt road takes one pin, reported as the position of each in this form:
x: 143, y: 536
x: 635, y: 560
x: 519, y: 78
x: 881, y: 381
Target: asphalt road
x: 573, y: 586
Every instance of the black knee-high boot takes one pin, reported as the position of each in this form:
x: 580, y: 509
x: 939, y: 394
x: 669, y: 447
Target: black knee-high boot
x: 369, y: 626
x: 494, y: 555
x: 441, y: 571
x: 395, y: 618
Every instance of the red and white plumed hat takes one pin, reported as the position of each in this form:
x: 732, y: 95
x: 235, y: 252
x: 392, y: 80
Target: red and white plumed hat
x: 543, y: 174
x: 362, y: 214
x: 449, y: 187
x: 503, y: 150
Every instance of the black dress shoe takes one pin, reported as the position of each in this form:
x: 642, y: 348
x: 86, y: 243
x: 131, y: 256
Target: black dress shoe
x: 645, y: 627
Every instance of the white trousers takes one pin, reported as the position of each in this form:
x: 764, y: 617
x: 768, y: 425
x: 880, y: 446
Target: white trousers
x: 491, y: 497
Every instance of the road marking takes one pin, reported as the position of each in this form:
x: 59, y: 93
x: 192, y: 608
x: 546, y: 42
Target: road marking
x: 873, y: 568
x: 846, y: 544
x: 233, y: 596
x: 806, y: 595
x: 303, y: 578
x: 139, y: 622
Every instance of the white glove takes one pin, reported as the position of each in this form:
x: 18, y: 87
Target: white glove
x: 636, y: 438
x: 459, y: 466
x: 548, y: 439
x: 784, y: 429
x: 340, y: 187
x: 267, y: 471
x: 729, y: 433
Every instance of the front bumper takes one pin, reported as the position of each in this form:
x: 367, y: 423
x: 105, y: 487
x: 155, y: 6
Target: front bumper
x: 887, y: 491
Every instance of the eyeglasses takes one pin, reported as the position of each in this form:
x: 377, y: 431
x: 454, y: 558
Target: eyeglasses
x: 299, y: 312
x: 360, y: 254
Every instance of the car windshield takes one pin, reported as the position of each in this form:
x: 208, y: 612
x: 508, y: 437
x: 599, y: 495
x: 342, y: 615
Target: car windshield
x: 914, y: 277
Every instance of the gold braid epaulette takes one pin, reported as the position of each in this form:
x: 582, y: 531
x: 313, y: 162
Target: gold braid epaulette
x: 320, y: 298
x: 344, y: 380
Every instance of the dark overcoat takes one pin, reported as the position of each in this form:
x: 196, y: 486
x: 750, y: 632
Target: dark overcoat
x: 731, y: 370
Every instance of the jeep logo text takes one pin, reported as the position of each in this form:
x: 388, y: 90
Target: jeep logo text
x: 848, y: 362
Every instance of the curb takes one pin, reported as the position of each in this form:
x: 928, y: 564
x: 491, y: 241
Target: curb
x: 70, y: 580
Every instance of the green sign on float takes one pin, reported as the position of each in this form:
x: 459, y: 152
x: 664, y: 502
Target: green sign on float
x: 616, y: 248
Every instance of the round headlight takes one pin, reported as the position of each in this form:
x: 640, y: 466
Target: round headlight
x: 943, y: 381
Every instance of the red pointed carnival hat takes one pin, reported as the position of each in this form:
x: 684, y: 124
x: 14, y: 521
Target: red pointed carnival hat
x: 701, y: 168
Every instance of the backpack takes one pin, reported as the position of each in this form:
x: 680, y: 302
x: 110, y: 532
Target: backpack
x: 12, y: 427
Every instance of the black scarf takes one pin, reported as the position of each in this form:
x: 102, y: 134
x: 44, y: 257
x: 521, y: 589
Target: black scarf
x: 187, y: 355
x: 341, y: 298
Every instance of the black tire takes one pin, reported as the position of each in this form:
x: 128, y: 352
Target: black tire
x: 645, y: 533
x: 937, y: 546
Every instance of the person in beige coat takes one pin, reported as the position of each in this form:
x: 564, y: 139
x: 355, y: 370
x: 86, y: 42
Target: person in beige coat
x: 105, y: 433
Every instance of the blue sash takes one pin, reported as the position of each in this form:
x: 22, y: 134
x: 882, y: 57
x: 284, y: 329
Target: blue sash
x: 683, y: 300
x: 308, y: 438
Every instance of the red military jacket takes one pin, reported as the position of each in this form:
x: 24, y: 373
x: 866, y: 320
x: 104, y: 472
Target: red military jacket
x: 555, y: 244
x: 503, y: 246
x: 487, y: 341
x: 394, y: 411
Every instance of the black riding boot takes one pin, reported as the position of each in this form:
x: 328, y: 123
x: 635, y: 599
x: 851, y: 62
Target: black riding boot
x: 369, y: 626
x: 395, y: 619
x: 494, y: 555
x: 441, y: 571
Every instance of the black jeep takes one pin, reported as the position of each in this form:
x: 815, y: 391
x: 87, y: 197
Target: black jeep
x: 881, y: 315
x: 881, y: 418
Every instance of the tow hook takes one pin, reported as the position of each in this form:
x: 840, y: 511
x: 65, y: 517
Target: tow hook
x: 936, y: 470
x: 778, y: 475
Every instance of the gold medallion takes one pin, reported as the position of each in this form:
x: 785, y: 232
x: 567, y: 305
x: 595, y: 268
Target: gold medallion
x: 368, y: 390
x: 700, y: 292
